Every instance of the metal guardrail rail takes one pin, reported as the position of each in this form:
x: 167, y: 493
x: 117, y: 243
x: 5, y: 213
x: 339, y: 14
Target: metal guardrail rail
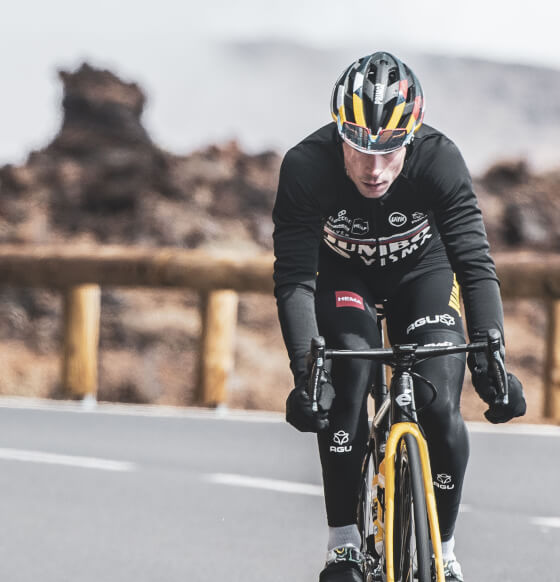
x: 79, y: 272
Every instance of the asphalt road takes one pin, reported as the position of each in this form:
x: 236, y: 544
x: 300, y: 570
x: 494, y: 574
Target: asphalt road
x: 148, y: 494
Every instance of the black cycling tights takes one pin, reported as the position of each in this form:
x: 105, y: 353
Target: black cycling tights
x: 424, y: 311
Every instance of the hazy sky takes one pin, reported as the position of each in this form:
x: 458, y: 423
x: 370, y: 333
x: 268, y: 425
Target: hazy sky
x: 159, y: 44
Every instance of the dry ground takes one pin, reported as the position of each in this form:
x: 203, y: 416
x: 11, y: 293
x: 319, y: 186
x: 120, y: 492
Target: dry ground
x: 148, y: 354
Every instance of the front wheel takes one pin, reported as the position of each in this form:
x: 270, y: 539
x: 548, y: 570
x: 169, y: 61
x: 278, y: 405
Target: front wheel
x: 411, y: 543
x: 366, y: 519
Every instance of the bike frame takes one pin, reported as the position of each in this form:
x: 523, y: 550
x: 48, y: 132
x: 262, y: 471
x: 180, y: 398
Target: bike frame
x: 405, y: 422
x: 401, y: 419
x: 397, y: 432
x: 396, y: 413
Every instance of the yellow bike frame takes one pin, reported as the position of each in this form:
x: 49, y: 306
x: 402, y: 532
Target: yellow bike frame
x: 398, y: 430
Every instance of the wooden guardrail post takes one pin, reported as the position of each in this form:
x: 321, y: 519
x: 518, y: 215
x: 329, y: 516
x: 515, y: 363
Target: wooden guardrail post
x: 523, y: 275
x: 82, y: 307
x: 219, y: 321
x: 552, y: 362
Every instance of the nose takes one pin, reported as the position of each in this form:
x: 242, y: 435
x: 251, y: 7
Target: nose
x: 374, y: 165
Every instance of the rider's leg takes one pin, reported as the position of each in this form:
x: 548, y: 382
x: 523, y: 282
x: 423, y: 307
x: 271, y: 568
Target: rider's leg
x: 426, y: 311
x: 347, y: 319
x: 445, y: 429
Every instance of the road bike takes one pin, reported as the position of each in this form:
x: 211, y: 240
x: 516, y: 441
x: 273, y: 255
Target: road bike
x: 397, y: 515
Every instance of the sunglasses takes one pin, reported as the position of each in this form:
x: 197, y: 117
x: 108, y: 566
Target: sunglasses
x: 360, y: 138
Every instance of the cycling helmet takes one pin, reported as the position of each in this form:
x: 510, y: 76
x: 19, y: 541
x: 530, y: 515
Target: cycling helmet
x: 377, y: 104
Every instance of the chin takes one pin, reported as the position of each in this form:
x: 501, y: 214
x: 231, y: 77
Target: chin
x: 367, y: 193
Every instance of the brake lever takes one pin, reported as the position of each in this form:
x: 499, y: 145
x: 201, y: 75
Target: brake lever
x: 318, y: 359
x: 495, y: 355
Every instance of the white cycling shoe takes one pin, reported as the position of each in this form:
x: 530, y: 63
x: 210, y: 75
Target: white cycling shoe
x: 344, y: 564
x: 452, y: 571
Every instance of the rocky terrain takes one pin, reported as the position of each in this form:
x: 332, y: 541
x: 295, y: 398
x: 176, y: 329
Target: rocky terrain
x: 103, y: 180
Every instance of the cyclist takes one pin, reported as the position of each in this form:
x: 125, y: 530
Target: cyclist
x: 378, y: 207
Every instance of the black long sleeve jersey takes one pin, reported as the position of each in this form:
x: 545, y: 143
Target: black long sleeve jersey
x: 428, y: 218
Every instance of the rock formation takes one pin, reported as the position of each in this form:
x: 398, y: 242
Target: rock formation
x: 103, y: 180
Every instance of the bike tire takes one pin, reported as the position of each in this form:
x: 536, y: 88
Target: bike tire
x: 411, y: 539
x: 365, y: 515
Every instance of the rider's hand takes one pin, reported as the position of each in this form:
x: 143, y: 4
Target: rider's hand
x: 298, y: 406
x: 485, y: 383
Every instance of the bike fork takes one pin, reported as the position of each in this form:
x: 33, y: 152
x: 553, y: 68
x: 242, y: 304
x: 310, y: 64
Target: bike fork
x: 397, y: 432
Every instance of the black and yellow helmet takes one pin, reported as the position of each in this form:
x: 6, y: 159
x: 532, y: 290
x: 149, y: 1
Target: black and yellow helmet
x: 377, y: 104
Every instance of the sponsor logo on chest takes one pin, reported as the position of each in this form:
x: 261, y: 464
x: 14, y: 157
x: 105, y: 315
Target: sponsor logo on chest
x: 338, y: 231
x: 397, y: 219
x: 360, y: 226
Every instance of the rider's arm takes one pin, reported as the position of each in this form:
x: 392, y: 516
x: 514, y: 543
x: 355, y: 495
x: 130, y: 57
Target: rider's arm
x: 460, y: 224
x: 297, y: 217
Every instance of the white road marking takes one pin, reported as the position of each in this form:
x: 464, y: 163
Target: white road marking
x: 269, y: 484
x: 546, y: 521
x: 69, y: 460
x: 547, y: 430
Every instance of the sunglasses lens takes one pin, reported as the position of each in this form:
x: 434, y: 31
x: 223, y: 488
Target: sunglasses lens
x: 360, y: 137
x: 391, y: 138
x: 357, y: 135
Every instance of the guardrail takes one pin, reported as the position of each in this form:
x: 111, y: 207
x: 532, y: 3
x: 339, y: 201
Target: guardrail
x: 79, y: 272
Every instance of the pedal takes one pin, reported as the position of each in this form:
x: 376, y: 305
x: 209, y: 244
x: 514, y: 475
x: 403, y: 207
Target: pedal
x: 373, y: 570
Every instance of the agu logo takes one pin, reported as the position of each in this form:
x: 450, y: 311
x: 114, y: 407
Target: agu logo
x: 444, y: 318
x: 443, y: 481
x: 349, y: 299
x: 340, y: 438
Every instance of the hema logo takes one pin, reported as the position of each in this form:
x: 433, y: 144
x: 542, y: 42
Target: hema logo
x: 360, y: 226
x: 349, y: 299
x: 397, y: 219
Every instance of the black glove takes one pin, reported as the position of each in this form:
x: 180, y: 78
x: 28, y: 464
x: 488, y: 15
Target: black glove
x: 298, y: 405
x: 485, y: 383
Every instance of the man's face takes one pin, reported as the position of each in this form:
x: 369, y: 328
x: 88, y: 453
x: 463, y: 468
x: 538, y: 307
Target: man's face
x: 373, y: 174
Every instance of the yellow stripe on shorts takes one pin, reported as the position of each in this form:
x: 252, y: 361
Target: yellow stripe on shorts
x: 454, y: 301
